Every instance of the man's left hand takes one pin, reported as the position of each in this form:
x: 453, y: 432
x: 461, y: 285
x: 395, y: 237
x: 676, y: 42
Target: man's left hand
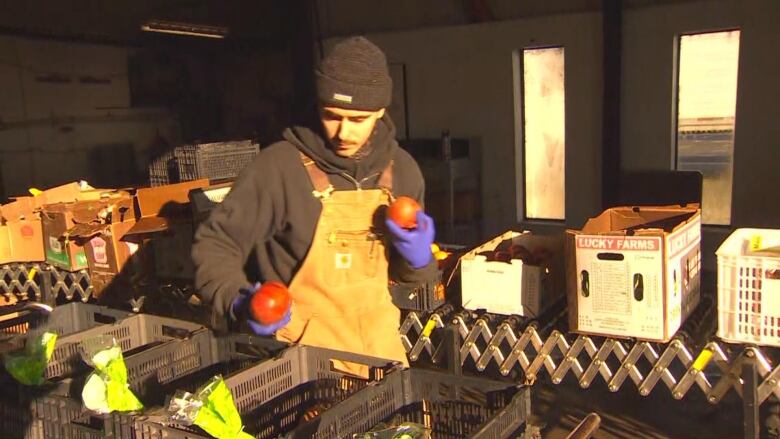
x: 415, y: 244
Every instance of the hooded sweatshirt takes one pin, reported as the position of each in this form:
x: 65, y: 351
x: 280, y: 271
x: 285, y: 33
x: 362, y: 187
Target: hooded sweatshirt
x: 263, y: 229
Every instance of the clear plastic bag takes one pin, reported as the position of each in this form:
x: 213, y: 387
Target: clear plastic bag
x: 406, y: 430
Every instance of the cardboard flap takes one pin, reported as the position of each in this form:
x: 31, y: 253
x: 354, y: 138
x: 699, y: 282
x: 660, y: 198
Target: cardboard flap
x: 168, y: 200
x: 21, y: 208
x: 117, y: 209
x: 618, y: 220
x: 66, y: 193
x: 492, y: 244
x: 150, y: 225
x: 85, y: 230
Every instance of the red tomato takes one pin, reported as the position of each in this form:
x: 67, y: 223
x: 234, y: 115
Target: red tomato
x: 403, y: 211
x: 270, y: 303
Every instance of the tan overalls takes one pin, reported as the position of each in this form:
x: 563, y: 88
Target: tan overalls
x: 340, y: 297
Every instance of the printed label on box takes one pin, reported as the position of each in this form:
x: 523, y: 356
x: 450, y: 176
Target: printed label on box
x: 81, y: 259
x: 58, y: 259
x: 55, y: 245
x: 619, y: 287
x: 99, y: 251
x: 27, y: 231
x: 682, y: 269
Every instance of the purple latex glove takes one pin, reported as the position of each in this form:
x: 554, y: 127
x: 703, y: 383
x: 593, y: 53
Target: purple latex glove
x: 414, y: 245
x: 240, y: 309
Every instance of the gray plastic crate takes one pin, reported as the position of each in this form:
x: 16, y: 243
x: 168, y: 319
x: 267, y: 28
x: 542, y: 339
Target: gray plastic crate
x: 220, y: 160
x: 452, y: 406
x: 131, y: 333
x: 157, y: 373
x: 16, y: 421
x: 146, y: 342
x: 64, y: 320
x: 273, y: 396
x: 17, y: 415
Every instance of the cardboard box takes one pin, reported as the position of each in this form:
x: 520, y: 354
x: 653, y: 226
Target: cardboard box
x: 203, y: 200
x: 173, y: 252
x: 21, y: 233
x: 514, y: 287
x: 165, y: 223
x: 99, y: 229
x: 63, y: 250
x: 634, y: 272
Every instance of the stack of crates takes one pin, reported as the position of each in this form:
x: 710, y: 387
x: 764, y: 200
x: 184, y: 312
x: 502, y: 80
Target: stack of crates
x: 279, y: 390
x: 157, y: 351
x: 16, y: 408
x: 215, y: 161
x: 299, y: 395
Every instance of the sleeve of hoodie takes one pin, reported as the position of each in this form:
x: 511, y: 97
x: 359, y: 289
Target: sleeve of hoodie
x: 225, y: 240
x: 413, y: 185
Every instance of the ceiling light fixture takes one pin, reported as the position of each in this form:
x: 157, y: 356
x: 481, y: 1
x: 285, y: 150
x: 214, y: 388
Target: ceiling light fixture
x: 193, y: 30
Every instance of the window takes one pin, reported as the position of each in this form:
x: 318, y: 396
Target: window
x: 706, y: 105
x: 543, y: 126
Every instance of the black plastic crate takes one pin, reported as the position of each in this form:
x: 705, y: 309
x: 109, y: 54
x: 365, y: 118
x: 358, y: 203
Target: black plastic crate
x: 276, y: 395
x: 216, y: 161
x: 418, y: 296
x: 452, y: 406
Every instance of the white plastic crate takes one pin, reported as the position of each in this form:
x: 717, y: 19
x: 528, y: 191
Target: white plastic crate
x: 749, y: 287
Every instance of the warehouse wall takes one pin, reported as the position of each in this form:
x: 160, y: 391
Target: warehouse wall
x: 647, y: 111
x: 461, y: 79
x: 60, y: 102
x: 64, y: 100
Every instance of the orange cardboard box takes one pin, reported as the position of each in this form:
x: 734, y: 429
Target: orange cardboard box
x: 165, y: 223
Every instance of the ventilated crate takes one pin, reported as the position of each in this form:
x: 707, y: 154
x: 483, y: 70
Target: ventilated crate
x: 451, y: 406
x: 17, y: 410
x: 134, y: 332
x: 425, y: 296
x: 63, y: 320
x: 155, y: 349
x: 276, y: 395
x: 220, y: 160
x: 749, y: 287
x: 159, y: 372
x: 16, y: 421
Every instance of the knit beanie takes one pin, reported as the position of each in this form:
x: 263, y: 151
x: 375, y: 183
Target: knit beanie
x: 354, y: 75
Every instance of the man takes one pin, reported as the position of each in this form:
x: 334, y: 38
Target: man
x: 310, y: 212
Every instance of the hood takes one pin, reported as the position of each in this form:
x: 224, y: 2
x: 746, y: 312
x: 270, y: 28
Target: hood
x: 372, y: 157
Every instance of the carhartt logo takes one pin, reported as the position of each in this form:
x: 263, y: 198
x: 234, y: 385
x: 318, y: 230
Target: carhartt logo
x: 342, y: 98
x: 343, y: 261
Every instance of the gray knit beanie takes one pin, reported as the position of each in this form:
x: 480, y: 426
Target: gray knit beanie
x: 354, y: 75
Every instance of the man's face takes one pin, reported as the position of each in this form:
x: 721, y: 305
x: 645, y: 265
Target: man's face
x: 348, y: 130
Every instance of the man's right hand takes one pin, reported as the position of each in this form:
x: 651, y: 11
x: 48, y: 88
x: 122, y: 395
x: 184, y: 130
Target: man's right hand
x: 239, y: 310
